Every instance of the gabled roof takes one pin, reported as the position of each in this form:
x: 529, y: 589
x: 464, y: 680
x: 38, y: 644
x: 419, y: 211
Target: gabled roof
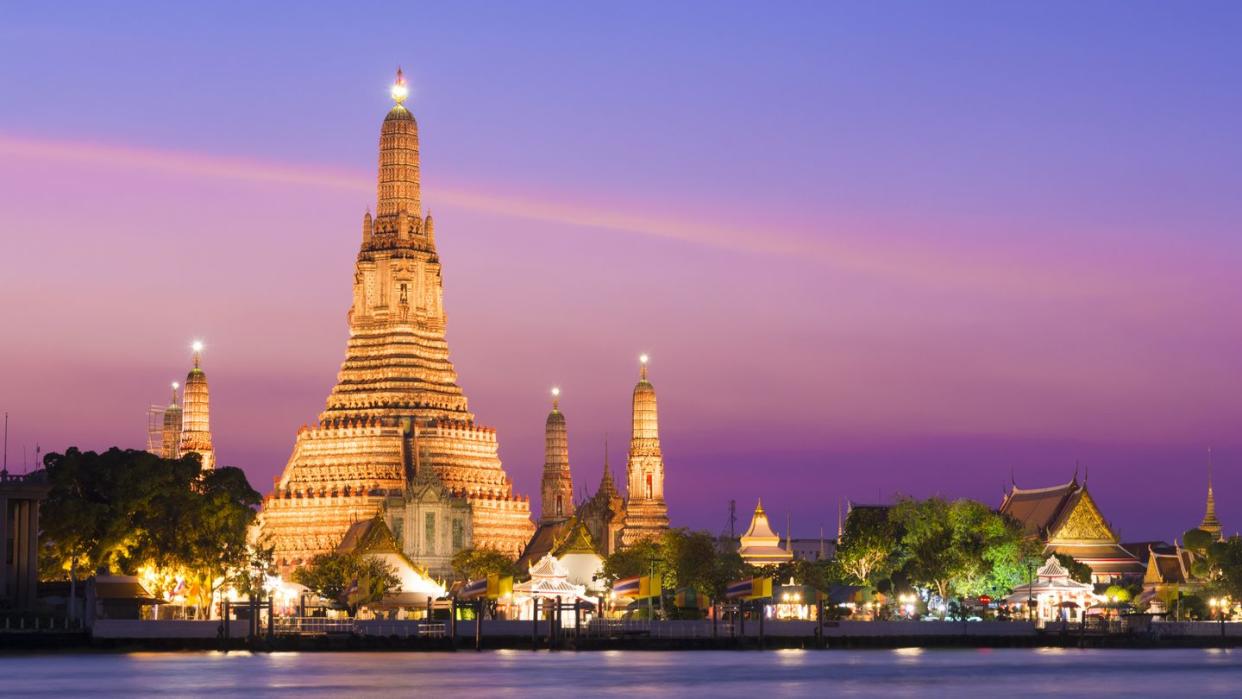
x: 369, y: 536
x: 1038, y: 510
x: 543, y: 542
x: 578, y: 541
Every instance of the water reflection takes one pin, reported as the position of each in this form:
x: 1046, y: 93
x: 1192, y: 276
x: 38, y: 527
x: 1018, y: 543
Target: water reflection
x: 901, y: 672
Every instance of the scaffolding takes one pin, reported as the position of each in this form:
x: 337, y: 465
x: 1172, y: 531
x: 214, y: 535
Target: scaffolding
x: 155, y: 429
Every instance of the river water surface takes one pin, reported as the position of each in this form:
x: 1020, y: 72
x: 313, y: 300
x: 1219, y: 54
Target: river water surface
x: 873, y: 673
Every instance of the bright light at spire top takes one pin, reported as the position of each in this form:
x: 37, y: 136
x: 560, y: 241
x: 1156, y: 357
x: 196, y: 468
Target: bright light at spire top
x: 176, y: 385
x: 399, y: 90
x: 197, y: 346
x: 642, y: 358
x: 555, y: 391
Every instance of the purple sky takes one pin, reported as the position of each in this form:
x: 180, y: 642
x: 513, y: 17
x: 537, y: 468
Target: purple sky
x: 870, y: 248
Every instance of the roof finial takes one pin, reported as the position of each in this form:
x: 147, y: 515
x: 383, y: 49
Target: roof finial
x: 176, y: 385
x: 197, y: 346
x: 556, y: 398
x: 399, y: 90
x: 642, y: 366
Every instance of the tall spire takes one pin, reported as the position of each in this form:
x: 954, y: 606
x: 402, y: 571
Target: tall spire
x: 196, y: 413
x: 606, y: 484
x: 557, y: 488
x: 1210, y: 523
x: 170, y: 447
x: 646, y: 514
x: 398, y: 189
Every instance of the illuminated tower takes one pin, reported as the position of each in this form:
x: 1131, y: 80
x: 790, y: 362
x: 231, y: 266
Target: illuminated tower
x: 1210, y: 523
x: 646, y: 514
x: 171, y: 448
x: 196, y: 414
x: 396, y: 397
x: 558, y: 488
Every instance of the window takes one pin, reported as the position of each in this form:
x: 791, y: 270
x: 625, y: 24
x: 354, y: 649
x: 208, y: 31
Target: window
x: 405, y: 299
x: 560, y: 506
x: 429, y: 533
x: 649, y: 495
x: 398, y: 530
x: 459, y: 535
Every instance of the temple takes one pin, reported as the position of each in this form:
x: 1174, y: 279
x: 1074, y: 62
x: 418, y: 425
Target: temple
x: 646, y: 514
x: 1066, y: 520
x: 1210, y: 523
x: 196, y: 414
x: 396, y: 400
x: 170, y: 447
x: 760, y: 546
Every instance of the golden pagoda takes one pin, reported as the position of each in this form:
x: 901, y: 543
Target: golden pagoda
x: 557, y: 488
x: 196, y: 414
x: 760, y: 545
x: 396, y: 398
x: 646, y: 514
x: 1210, y: 523
x: 170, y: 446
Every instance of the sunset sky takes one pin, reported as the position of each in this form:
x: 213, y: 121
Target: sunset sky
x: 871, y: 248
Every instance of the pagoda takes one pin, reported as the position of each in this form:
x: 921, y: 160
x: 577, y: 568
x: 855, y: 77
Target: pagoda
x: 396, y: 399
x: 196, y: 414
x: 646, y: 513
x: 760, y: 546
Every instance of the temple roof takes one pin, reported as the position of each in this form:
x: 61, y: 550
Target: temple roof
x: 759, y: 529
x: 760, y: 544
x: 578, y: 541
x: 1039, y: 510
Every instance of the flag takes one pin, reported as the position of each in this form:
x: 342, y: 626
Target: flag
x: 627, y: 587
x: 474, y: 588
x: 751, y: 588
x: 498, y: 586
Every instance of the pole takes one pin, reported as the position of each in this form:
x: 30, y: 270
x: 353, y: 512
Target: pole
x: 534, y: 629
x: 715, y: 618
x: 271, y: 616
x: 762, y: 614
x: 453, y: 620
x: 225, y: 609
x: 819, y: 617
x: 478, y: 627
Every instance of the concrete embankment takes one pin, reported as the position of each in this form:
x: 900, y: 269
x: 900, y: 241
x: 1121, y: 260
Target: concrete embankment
x: 121, y: 635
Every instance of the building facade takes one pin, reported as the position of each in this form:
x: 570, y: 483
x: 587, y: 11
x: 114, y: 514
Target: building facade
x: 1066, y: 520
x: 646, y: 514
x: 396, y: 381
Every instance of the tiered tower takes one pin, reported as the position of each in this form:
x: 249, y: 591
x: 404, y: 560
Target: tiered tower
x: 196, y: 414
x: 557, y: 493
x: 1210, y: 523
x: 171, y: 447
x: 396, y: 382
x: 646, y: 514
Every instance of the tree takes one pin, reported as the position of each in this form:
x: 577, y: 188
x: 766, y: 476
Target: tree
x: 870, y: 545
x: 131, y: 510
x: 933, y: 557
x: 475, y: 563
x: 1078, y: 572
x: 351, y: 580
x: 636, y: 559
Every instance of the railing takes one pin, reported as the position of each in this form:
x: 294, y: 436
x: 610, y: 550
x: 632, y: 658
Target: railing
x: 17, y: 622
x: 322, y: 626
x: 311, y: 626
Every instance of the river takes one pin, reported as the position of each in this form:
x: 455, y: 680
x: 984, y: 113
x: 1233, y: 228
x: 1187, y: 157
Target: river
x: 868, y: 673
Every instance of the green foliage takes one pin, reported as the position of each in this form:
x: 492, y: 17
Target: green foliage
x: 870, y: 545
x: 475, y: 563
x: 351, y: 580
x: 126, y: 509
x: 1118, y: 593
x: 637, y: 559
x: 682, y: 558
x: 1197, y: 541
x: 1078, y: 572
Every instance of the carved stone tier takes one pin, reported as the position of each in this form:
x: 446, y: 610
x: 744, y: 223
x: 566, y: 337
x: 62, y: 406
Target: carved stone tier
x: 396, y: 407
